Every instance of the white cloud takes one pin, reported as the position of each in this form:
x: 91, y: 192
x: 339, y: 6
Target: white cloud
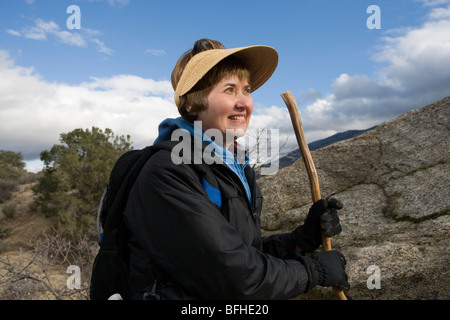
x: 130, y: 84
x: 13, y: 32
x: 45, y: 30
x: 101, y: 47
x: 113, y: 3
x: 121, y: 3
x: 270, y: 118
x: 414, y: 74
x: 34, y: 112
x: 440, y: 13
x: 155, y: 52
x: 432, y: 3
x: 413, y: 71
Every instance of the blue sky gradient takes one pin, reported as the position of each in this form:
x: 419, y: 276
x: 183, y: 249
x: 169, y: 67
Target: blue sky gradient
x: 115, y: 71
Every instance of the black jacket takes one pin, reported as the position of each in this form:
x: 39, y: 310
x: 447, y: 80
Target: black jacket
x: 198, y: 249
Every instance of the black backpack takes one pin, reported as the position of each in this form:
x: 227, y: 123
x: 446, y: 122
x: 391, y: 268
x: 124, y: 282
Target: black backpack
x: 110, y: 267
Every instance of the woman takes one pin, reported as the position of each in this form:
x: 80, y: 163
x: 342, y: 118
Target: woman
x: 195, y: 223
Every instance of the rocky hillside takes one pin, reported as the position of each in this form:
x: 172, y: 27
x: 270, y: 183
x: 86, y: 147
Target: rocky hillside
x: 395, y: 185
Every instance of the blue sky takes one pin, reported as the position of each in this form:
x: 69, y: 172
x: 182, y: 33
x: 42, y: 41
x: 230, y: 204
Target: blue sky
x: 115, y: 71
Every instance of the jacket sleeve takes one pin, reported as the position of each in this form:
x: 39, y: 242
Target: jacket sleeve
x: 280, y: 245
x: 170, y: 214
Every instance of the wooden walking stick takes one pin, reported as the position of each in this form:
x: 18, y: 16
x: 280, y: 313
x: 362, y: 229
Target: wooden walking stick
x: 310, y: 168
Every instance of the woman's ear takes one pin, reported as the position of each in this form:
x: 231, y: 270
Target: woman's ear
x: 191, y: 116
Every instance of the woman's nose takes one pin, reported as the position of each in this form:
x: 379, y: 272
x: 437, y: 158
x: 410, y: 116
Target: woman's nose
x: 244, y: 100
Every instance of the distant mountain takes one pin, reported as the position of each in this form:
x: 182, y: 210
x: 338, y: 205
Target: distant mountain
x: 293, y: 156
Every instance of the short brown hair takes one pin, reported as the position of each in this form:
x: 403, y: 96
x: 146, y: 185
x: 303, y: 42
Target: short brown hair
x: 196, y: 98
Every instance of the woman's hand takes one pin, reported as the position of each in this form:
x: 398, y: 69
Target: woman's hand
x: 322, y: 216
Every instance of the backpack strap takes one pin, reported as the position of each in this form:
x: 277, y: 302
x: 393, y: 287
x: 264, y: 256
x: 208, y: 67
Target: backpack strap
x: 122, y: 178
x: 209, y: 181
x: 210, y: 184
x: 99, y: 212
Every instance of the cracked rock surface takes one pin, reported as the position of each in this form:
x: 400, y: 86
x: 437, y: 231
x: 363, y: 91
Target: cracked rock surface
x: 395, y: 184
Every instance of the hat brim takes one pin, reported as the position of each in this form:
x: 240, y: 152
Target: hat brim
x: 261, y: 61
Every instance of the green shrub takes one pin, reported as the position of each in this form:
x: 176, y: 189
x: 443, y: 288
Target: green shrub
x: 9, y: 210
x: 7, y: 187
x: 4, y: 232
x: 76, y: 173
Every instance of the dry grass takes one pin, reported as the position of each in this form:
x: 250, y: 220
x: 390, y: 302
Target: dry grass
x: 34, y: 257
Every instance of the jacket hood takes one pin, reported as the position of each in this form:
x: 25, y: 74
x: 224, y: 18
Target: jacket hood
x: 169, y: 125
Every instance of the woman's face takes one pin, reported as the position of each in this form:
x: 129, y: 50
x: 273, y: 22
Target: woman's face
x: 230, y: 106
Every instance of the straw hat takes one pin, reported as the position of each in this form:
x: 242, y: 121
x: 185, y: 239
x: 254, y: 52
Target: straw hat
x: 260, y: 60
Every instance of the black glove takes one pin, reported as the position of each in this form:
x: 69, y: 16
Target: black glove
x: 325, y: 269
x: 322, y: 216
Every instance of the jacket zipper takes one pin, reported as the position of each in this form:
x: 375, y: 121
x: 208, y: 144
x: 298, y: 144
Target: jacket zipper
x: 252, y: 205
